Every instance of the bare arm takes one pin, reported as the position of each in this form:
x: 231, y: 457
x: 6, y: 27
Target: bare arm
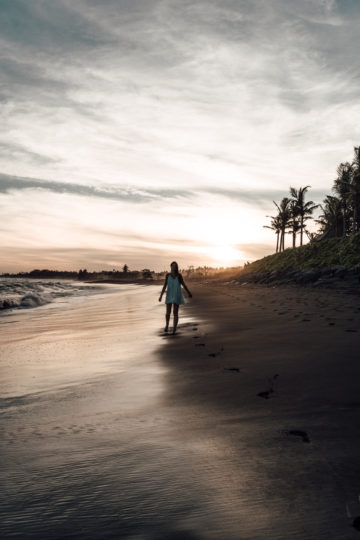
x: 163, y: 289
x: 185, y: 287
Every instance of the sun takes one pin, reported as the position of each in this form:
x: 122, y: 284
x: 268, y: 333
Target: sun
x: 225, y: 255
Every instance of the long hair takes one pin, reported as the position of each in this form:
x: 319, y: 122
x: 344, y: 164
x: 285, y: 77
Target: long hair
x: 176, y: 266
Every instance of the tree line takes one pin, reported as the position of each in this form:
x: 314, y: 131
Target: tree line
x: 340, y: 211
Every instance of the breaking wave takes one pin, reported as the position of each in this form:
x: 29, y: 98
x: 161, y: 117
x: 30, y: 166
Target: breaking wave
x: 23, y: 293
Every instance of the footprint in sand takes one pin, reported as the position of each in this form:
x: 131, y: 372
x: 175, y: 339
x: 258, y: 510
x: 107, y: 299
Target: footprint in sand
x: 199, y: 344
x: 351, y: 330
x: 214, y: 355
x: 267, y: 393
x: 232, y: 369
x: 298, y: 433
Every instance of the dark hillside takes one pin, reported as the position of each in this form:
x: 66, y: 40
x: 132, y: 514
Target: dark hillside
x: 324, y: 262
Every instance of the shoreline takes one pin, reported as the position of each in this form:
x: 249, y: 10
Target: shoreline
x: 338, y: 277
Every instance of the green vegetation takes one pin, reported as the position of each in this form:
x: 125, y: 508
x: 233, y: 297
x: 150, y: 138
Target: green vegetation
x: 336, y: 244
x: 340, y: 212
x: 344, y: 251
x: 292, y: 215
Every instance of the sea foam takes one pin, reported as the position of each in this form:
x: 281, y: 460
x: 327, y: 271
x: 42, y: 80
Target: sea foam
x: 23, y: 293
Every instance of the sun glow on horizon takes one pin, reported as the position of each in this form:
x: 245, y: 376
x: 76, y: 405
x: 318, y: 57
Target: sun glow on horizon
x: 226, y: 255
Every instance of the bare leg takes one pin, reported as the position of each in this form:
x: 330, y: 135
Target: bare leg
x: 167, y: 317
x: 176, y: 317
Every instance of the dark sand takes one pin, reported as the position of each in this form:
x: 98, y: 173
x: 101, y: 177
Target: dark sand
x: 273, y: 379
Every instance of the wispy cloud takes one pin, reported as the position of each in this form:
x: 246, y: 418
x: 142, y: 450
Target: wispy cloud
x: 173, y: 86
x: 12, y: 183
x: 261, y: 198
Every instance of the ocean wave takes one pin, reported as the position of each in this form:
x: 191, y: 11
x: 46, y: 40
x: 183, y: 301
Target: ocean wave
x: 23, y: 294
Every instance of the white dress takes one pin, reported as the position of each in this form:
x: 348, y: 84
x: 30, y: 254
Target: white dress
x: 173, y: 293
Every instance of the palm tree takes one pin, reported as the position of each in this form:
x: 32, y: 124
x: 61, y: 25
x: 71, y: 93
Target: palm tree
x: 275, y: 226
x: 331, y: 220
x: 304, y: 210
x: 355, y: 188
x: 350, y: 183
x: 284, y: 217
x: 294, y: 221
x: 341, y: 188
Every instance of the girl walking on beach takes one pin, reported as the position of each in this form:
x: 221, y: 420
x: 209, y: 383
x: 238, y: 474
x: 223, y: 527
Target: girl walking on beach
x: 174, y: 296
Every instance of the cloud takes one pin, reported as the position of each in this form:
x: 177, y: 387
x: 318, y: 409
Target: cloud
x: 262, y: 198
x: 12, y: 183
x: 173, y: 86
x: 18, y: 152
x: 259, y: 198
x: 173, y: 106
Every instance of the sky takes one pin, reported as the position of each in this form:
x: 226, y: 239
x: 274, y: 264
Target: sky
x: 146, y: 131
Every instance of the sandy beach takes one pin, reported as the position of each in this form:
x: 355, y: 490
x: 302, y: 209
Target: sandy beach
x: 276, y: 381
x: 245, y: 425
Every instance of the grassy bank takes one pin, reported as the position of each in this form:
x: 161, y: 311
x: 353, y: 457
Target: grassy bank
x: 326, y: 253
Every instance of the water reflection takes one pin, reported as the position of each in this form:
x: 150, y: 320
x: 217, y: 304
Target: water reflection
x: 90, y: 449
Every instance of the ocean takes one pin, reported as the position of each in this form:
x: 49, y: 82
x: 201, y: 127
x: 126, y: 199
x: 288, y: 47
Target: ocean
x: 18, y: 293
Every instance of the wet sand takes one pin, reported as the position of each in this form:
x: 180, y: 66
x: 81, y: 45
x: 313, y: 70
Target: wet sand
x: 244, y: 425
